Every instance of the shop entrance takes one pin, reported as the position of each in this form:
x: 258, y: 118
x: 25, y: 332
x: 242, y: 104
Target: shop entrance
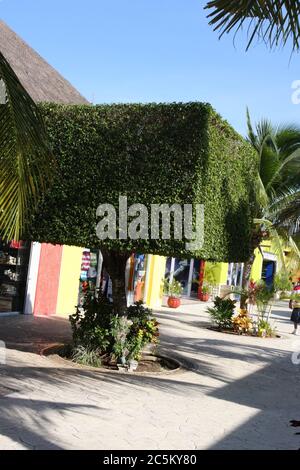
x: 268, y: 272
x: 14, y: 258
x: 185, y: 271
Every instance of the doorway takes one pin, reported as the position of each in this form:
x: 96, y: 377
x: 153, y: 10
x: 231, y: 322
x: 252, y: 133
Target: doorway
x: 268, y: 272
x: 186, y: 271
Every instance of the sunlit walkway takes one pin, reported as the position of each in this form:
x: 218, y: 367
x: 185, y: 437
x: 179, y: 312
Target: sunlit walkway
x: 239, y: 393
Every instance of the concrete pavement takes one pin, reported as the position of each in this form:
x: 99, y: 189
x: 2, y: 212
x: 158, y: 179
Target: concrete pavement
x: 237, y: 393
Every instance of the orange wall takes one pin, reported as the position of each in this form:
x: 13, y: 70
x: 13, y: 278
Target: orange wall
x: 48, y: 280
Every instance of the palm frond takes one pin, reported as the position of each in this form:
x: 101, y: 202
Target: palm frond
x: 274, y: 21
x: 288, y: 138
x: 277, y: 239
x: 293, y: 261
x: 294, y: 157
x: 252, y: 137
x: 288, y: 213
x: 26, y: 163
x: 261, y: 194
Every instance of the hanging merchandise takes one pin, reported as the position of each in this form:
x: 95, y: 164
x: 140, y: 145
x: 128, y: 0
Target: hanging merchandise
x: 139, y: 277
x: 88, y: 274
x: 92, y: 273
x: 14, y: 257
x: 93, y: 259
x: 83, y: 276
x: 16, y: 245
x: 86, y: 260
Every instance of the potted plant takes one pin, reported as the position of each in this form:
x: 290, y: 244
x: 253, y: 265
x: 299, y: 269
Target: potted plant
x: 205, y: 293
x: 173, y: 290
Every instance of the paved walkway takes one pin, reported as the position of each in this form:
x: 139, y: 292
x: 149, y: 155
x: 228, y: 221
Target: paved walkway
x: 240, y: 394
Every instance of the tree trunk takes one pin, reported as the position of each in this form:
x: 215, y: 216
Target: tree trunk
x: 255, y: 242
x: 245, y: 280
x: 115, y: 264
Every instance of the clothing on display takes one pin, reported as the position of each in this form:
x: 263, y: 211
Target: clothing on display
x: 14, y: 258
x: 88, y: 274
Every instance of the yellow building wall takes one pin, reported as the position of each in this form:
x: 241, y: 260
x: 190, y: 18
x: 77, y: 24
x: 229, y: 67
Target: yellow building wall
x: 216, y: 273
x: 69, y: 280
x: 155, y: 275
x: 256, y: 271
x: 257, y: 266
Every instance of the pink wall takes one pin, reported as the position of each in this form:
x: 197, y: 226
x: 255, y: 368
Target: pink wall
x: 48, y: 280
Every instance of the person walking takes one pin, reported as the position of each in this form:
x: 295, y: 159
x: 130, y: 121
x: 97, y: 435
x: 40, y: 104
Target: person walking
x: 295, y: 306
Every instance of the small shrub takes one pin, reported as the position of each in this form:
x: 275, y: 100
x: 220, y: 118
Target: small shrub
x: 242, y: 323
x: 222, y: 312
x: 206, y: 288
x: 86, y: 357
x: 295, y: 297
x: 97, y: 331
x: 120, y: 327
x: 91, y: 324
x: 265, y: 329
x: 284, y: 295
x: 282, y: 282
x: 173, y: 288
x: 263, y: 297
x: 144, y: 329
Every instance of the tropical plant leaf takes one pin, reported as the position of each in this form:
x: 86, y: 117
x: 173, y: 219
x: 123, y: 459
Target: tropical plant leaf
x: 278, y: 187
x: 277, y: 240
x: 274, y: 21
x: 26, y: 163
x: 287, y: 212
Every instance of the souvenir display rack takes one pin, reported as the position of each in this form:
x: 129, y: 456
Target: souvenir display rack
x: 14, y: 258
x: 88, y: 274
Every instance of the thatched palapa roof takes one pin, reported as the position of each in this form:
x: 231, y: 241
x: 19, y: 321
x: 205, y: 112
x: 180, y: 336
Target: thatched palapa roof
x: 40, y: 79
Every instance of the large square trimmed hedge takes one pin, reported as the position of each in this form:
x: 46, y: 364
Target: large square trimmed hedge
x: 152, y: 153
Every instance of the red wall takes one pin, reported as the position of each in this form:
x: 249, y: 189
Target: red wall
x: 48, y: 280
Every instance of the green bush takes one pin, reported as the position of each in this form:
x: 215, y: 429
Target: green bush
x: 86, y: 357
x: 222, y: 312
x: 263, y: 297
x: 265, y: 329
x: 91, y: 324
x: 282, y: 282
x: 154, y: 153
x: 98, y: 332
x: 143, y: 330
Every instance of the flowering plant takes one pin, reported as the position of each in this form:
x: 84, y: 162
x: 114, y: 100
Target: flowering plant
x: 242, y: 323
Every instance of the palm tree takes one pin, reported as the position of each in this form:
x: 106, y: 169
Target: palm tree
x: 25, y: 160
x: 278, y: 183
x: 275, y: 21
x: 288, y: 214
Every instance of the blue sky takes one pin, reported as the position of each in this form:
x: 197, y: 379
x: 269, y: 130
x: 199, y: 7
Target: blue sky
x: 156, y: 51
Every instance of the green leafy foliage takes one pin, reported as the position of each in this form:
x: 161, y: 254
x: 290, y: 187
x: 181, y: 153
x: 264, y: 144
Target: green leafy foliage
x: 282, y: 282
x: 144, y: 329
x: 98, y: 332
x: 295, y: 297
x: 265, y: 329
x: 86, y: 356
x: 120, y: 327
x: 222, y: 312
x: 155, y: 153
x: 172, y: 288
x: 206, y: 288
x: 91, y: 325
x: 276, y: 22
x: 26, y: 162
x: 263, y: 296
